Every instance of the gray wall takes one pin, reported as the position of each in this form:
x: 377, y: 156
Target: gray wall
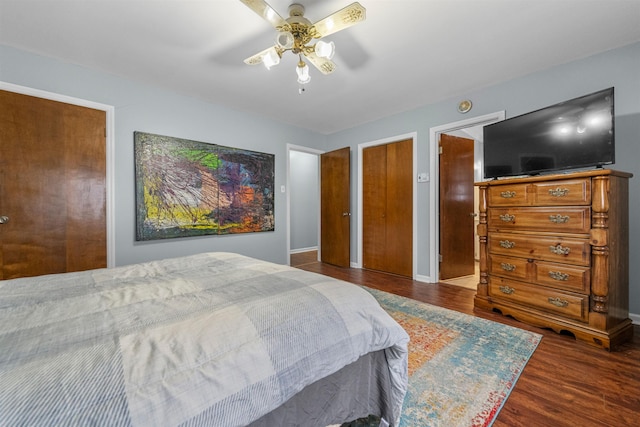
x: 304, y: 200
x: 619, y: 68
x: 139, y: 107
x: 144, y: 108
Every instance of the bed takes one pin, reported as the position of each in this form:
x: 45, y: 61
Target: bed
x: 213, y: 339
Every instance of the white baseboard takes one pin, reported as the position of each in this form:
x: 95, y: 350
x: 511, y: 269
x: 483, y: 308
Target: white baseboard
x: 424, y: 279
x: 635, y: 318
x: 297, y: 251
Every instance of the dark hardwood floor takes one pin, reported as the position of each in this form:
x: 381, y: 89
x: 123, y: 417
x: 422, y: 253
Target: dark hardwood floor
x: 565, y: 383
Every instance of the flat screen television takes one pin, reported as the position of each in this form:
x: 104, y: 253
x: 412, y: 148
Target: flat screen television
x: 573, y: 134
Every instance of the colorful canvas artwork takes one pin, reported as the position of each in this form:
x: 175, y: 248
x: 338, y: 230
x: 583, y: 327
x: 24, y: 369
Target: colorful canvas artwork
x: 189, y: 188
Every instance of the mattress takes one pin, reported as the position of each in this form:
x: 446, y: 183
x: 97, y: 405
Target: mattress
x: 215, y: 339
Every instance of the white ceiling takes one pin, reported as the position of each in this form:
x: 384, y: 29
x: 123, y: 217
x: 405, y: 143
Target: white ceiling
x: 407, y: 53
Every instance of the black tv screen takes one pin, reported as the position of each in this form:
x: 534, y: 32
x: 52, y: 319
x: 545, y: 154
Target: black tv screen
x: 574, y: 134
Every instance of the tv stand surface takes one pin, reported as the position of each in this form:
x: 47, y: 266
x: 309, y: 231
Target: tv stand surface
x: 554, y: 253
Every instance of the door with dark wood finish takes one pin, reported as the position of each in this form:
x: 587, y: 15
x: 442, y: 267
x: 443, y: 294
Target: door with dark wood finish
x: 374, y: 207
x: 387, y: 214
x: 52, y: 187
x: 335, y: 215
x: 456, y: 207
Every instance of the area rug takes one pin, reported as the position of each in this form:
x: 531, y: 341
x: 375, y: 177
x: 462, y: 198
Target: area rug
x: 461, y: 368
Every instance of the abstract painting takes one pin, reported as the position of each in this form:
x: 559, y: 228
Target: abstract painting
x: 189, y: 188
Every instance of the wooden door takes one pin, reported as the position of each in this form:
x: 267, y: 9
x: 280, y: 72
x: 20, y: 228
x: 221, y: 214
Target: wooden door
x: 387, y: 195
x: 374, y: 207
x: 335, y: 215
x: 456, y: 207
x: 52, y: 186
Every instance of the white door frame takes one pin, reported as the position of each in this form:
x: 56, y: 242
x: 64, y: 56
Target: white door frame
x: 290, y: 148
x: 110, y: 141
x: 434, y: 184
x: 414, y: 137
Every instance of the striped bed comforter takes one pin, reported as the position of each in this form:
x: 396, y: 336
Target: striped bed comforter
x: 213, y: 339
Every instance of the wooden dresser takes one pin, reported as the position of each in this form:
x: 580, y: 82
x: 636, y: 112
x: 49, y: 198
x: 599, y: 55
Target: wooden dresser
x: 554, y: 252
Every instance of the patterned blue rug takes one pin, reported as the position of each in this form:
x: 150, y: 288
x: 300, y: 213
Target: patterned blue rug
x: 461, y: 368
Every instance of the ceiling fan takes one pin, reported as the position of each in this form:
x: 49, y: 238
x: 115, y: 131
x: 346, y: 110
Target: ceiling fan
x: 296, y: 34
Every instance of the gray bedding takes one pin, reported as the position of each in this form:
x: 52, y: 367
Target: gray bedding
x: 214, y: 339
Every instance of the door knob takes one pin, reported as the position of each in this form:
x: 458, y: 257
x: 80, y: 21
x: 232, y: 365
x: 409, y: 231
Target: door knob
x: 473, y: 214
x: 4, y: 219
x: 346, y: 213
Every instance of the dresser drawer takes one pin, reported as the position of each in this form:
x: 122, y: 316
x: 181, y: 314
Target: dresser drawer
x: 552, y: 220
x: 565, y: 192
x: 570, y: 192
x: 510, y: 267
x: 553, y: 249
x: 562, y: 276
x: 572, y: 278
x: 508, y: 195
x: 574, y: 306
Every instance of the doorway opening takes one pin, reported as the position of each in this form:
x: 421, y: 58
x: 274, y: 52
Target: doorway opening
x: 470, y: 128
x: 318, y: 204
x: 303, y: 200
x: 457, y: 207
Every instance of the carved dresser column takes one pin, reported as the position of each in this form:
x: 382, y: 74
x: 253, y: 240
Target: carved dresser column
x: 482, y: 235
x: 600, y: 244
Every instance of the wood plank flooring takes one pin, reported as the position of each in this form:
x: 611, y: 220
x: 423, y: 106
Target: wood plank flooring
x: 566, y: 382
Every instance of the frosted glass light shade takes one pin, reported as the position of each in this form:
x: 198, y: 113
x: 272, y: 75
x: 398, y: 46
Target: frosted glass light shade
x: 270, y: 59
x: 325, y: 50
x: 284, y: 40
x: 303, y: 74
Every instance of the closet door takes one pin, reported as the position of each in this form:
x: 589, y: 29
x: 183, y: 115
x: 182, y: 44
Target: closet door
x: 387, y: 208
x: 374, y: 207
x: 52, y: 186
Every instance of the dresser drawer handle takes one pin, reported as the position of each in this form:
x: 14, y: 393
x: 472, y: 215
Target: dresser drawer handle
x: 507, y: 290
x: 559, y: 219
x: 507, y: 267
x: 507, y: 244
x: 558, y: 192
x: 508, y: 194
x: 559, y: 250
x: 558, y: 302
x: 507, y: 217
x: 556, y: 275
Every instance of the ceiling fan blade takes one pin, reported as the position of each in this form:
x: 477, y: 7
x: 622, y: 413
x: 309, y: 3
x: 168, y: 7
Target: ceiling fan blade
x: 340, y: 20
x: 326, y: 66
x: 257, y: 58
x: 266, y: 12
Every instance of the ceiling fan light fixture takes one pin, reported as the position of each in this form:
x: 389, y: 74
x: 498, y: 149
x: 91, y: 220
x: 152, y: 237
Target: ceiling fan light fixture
x: 303, y: 73
x: 297, y: 35
x: 325, y: 50
x: 270, y: 59
x: 285, y: 40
